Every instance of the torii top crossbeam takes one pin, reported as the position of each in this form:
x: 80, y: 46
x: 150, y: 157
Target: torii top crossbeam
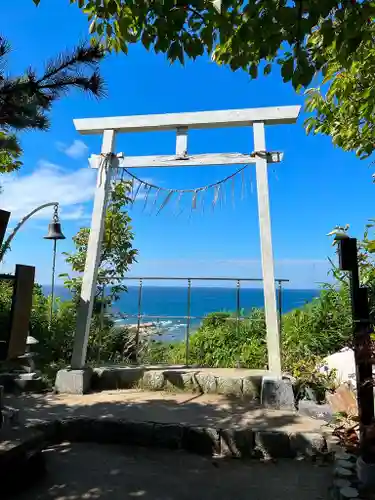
x: 256, y: 118
x: 275, y: 115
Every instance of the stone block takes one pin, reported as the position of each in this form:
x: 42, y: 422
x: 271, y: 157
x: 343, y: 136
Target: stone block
x: 178, y: 380
x: 200, y: 440
x: 348, y: 493
x: 251, y: 387
x: 29, y: 382
x: 73, y: 381
x: 50, y: 430
x: 105, y: 379
x: 339, y: 483
x: 273, y: 444
x: 229, y: 386
x: 130, y: 377
x: 343, y: 473
x: 205, y: 383
x: 76, y: 429
x: 307, y: 443
x: 238, y: 443
x: 168, y: 436
x: 277, y: 393
x: 136, y: 433
x: 107, y: 431
x: 153, y: 380
x: 347, y: 464
x: 125, y: 432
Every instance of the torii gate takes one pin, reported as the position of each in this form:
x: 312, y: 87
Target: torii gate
x: 182, y: 122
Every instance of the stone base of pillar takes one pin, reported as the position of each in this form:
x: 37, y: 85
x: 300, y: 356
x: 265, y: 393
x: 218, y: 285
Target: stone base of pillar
x: 70, y: 381
x: 277, y: 392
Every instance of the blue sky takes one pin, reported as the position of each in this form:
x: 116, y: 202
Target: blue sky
x: 316, y: 186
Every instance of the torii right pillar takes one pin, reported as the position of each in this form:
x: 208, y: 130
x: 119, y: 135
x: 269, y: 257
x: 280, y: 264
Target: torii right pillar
x: 269, y: 287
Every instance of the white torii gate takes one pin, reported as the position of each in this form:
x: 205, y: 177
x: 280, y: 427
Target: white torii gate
x: 182, y: 122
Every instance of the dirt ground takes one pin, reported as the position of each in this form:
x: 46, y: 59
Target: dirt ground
x: 85, y: 471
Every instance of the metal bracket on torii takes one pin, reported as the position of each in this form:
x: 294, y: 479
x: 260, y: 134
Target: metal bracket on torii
x: 181, y: 123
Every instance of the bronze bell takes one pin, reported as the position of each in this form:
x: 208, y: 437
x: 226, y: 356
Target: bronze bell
x: 54, y: 232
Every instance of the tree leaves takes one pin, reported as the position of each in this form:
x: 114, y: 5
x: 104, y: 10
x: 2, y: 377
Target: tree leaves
x: 287, y: 69
x: 25, y: 101
x: 345, y: 109
x: 242, y: 34
x: 117, y: 250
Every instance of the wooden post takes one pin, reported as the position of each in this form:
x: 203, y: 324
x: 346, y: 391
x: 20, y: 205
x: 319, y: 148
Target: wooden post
x: 348, y: 258
x: 273, y: 338
x: 93, y: 255
x: 20, y: 312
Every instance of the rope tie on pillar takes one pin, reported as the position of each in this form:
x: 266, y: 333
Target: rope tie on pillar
x: 105, y: 163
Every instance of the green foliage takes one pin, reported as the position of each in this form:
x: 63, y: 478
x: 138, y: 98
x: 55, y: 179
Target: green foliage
x: 222, y: 341
x: 343, y: 105
x: 319, y: 328
x: 308, y: 376
x: 25, y: 100
x: 243, y: 35
x: 117, y: 251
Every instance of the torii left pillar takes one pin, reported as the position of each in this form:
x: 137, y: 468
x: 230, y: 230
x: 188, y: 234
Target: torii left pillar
x: 77, y: 380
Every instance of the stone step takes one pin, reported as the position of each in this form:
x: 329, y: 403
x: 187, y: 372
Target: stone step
x: 240, y: 442
x: 256, y: 385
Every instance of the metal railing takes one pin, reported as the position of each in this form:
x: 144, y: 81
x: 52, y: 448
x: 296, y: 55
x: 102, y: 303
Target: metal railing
x: 237, y: 316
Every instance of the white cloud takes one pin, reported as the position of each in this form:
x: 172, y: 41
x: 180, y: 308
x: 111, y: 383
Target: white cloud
x: 48, y: 183
x: 76, y: 150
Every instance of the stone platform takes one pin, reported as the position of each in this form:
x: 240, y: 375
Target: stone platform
x: 256, y: 385
x: 202, y: 423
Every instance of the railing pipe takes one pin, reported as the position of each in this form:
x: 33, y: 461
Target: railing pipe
x: 187, y: 339
x: 139, y: 318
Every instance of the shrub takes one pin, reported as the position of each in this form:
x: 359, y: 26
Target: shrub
x: 222, y: 341
x: 317, y: 329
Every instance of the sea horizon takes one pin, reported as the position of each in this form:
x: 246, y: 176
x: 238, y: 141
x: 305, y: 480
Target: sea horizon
x: 167, y: 306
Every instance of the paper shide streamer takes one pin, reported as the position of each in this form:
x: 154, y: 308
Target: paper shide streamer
x: 162, y: 196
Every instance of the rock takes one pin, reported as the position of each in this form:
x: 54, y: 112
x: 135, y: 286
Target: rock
x: 201, y: 440
x: 251, y: 387
x: 346, y: 464
x: 105, y: 379
x: 168, y: 436
x: 341, y: 483
x: 205, y: 382
x: 342, y: 472
x: 348, y: 492
x: 178, y: 380
x: 129, y: 377
x: 237, y: 442
x: 229, y: 386
x: 343, y: 455
x: 153, y: 380
x: 274, y: 444
x: 307, y: 443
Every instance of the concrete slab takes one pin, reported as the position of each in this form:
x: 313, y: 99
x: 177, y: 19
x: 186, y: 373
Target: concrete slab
x: 209, y: 410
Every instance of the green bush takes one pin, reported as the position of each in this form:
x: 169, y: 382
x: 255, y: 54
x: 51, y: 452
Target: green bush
x: 222, y: 341
x: 318, y: 329
x: 308, y: 334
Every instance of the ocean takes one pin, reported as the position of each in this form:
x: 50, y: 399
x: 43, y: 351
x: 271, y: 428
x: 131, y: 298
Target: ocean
x: 166, y: 306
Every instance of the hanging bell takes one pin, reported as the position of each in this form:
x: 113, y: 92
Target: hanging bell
x: 54, y: 232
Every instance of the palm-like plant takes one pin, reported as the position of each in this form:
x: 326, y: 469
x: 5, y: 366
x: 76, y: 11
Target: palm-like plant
x: 26, y: 100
